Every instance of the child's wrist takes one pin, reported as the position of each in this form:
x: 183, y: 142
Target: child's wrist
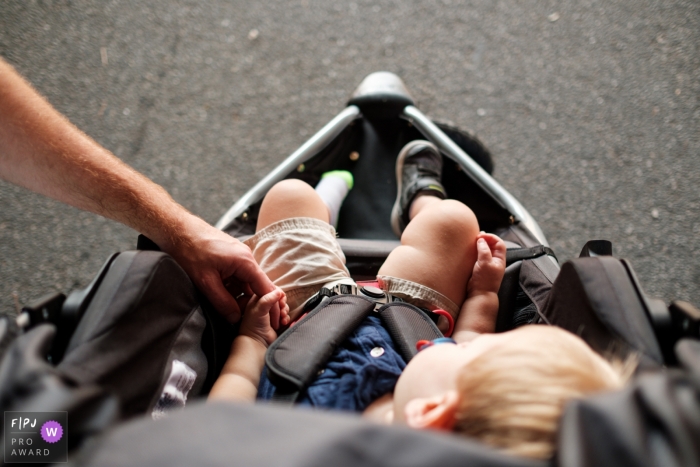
x: 478, y: 313
x: 465, y: 335
x: 250, y: 339
x: 485, y: 292
x: 240, y: 376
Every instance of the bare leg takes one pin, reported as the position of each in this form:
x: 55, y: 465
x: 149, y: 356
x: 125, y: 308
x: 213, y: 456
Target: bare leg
x: 420, y: 202
x: 290, y: 198
x: 438, y: 247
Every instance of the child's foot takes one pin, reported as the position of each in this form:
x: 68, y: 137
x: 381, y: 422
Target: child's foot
x: 418, y: 169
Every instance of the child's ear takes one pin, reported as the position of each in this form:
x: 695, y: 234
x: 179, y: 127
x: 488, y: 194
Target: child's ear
x: 436, y: 412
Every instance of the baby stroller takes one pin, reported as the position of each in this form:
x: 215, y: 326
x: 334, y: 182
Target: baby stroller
x: 117, y: 342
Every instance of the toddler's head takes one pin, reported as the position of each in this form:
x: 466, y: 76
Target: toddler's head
x: 507, y: 390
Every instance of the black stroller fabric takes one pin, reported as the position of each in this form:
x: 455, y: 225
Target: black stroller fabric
x: 655, y: 421
x: 262, y: 436
x: 595, y: 299
x: 29, y: 383
x: 144, y: 316
x: 146, y: 313
x: 526, y: 284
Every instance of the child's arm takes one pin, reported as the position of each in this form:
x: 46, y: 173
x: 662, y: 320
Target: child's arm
x: 241, y: 374
x: 479, y: 310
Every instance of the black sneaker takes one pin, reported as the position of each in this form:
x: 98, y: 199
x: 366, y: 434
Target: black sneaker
x: 418, y: 168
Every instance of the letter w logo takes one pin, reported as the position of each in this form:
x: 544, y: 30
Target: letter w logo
x: 51, y: 431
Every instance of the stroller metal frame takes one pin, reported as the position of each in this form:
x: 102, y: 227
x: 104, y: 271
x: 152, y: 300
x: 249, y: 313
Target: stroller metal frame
x: 375, y: 84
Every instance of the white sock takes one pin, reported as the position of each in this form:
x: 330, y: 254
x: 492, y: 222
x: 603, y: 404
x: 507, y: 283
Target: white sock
x: 333, y: 188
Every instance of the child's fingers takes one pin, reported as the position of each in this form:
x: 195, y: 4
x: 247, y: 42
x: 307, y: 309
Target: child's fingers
x: 283, y: 300
x: 491, y: 239
x: 500, y: 252
x: 496, y: 245
x: 275, y: 315
x: 285, y: 315
x: 266, y: 301
x: 483, y: 251
x: 284, y: 310
x: 269, y: 303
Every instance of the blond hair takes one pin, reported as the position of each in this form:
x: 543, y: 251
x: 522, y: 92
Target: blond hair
x: 512, y: 397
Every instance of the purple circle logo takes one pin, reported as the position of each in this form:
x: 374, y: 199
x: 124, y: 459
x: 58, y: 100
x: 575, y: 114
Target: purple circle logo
x: 51, y: 431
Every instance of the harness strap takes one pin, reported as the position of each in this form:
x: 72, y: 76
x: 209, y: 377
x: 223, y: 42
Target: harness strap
x: 519, y: 254
x: 295, y: 358
x: 407, y: 325
x: 284, y: 398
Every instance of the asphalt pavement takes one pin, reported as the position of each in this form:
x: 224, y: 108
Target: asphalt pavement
x: 591, y: 109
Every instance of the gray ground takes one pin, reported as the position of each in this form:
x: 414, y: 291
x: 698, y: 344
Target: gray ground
x: 590, y: 108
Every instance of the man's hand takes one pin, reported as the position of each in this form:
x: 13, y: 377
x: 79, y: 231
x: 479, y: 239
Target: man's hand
x: 264, y: 315
x: 221, y: 266
x: 490, y: 265
x: 42, y: 151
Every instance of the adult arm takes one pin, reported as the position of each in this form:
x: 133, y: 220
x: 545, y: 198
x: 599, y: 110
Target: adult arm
x: 42, y: 151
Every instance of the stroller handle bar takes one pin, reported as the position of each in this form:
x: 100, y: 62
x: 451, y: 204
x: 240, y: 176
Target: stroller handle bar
x: 474, y: 171
x: 333, y: 128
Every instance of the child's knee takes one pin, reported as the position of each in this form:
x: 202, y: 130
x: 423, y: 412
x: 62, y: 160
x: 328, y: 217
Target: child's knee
x: 455, y: 218
x: 291, y: 198
x: 291, y: 190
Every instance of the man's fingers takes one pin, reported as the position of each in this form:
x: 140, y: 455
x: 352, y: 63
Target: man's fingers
x: 222, y: 300
x: 243, y: 301
x: 254, y: 277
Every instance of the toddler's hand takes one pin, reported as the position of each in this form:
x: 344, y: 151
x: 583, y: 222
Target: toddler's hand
x: 263, y: 315
x: 490, y: 265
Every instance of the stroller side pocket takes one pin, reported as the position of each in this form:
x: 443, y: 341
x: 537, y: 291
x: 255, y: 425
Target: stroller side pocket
x: 143, y: 318
x: 596, y: 299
